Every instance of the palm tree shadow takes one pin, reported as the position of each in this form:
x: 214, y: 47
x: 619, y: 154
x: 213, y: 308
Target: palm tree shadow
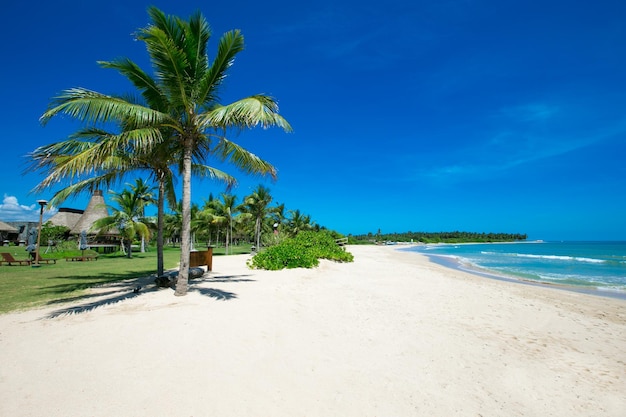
x: 91, y: 306
x: 215, y: 293
x: 119, y: 291
x: 225, y: 278
x: 126, y: 290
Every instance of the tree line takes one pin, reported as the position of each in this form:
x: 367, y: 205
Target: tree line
x: 437, y: 237
x: 218, y: 221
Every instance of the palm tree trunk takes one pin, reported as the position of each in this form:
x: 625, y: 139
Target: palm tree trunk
x: 257, y: 226
x: 185, y: 244
x: 160, y: 225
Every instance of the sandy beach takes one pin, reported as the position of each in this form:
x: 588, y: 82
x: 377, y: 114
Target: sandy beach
x: 391, y: 334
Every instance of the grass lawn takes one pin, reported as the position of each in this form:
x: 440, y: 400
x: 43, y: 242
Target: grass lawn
x: 23, y: 287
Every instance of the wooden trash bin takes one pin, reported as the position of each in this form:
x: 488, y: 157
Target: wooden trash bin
x: 201, y: 258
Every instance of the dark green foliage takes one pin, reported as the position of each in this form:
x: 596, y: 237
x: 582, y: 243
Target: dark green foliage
x: 438, y: 237
x: 302, y: 251
x: 52, y: 232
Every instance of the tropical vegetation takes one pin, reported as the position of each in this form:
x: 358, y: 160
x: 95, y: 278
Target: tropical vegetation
x: 127, y: 220
x: 304, y: 250
x: 177, y: 121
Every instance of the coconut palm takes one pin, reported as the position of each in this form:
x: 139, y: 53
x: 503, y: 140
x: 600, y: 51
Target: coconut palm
x: 84, y: 160
x: 256, y: 206
x: 298, y: 222
x: 144, y: 193
x: 173, y: 223
x: 126, y: 219
x: 184, y: 97
x: 224, y: 214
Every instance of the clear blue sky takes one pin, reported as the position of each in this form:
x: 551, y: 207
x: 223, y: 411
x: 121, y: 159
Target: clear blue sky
x: 494, y: 115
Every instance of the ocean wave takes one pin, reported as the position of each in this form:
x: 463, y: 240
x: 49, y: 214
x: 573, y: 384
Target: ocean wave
x: 550, y: 257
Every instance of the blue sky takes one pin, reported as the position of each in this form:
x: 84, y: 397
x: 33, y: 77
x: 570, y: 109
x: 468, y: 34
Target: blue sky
x: 484, y: 116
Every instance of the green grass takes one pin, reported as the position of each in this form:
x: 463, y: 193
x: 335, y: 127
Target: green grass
x: 24, y: 287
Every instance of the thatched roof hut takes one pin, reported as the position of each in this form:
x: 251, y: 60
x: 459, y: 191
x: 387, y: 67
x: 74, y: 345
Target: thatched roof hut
x: 96, y: 209
x: 7, y: 228
x: 67, y: 217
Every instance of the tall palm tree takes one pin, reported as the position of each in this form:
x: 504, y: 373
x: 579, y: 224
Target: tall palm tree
x: 85, y: 160
x: 186, y: 89
x: 256, y: 205
x: 126, y: 219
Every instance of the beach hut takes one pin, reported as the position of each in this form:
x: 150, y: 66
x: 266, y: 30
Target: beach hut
x: 5, y: 230
x: 96, y: 210
x: 66, y: 217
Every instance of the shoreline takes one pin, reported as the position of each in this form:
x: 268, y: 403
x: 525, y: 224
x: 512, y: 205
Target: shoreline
x: 390, y: 334
x: 453, y: 263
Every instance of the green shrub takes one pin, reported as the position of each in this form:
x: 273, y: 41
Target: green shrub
x: 302, y: 251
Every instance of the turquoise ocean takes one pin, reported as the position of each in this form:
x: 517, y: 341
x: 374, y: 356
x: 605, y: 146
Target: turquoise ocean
x: 583, y: 266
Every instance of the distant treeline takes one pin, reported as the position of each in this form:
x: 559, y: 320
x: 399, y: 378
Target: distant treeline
x: 438, y: 237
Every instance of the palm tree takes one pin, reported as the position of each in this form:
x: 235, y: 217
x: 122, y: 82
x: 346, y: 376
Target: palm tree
x: 85, y: 154
x: 173, y: 223
x: 186, y: 89
x: 298, y: 222
x: 224, y: 214
x: 144, y: 194
x: 126, y: 219
x: 256, y: 206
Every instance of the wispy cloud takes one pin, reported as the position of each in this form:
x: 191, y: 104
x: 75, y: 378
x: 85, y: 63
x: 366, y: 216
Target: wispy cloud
x: 530, y: 112
x: 511, y: 149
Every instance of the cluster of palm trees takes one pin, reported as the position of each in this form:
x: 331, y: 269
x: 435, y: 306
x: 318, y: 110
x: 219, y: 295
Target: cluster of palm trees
x: 218, y: 221
x: 222, y: 220
x: 169, y: 129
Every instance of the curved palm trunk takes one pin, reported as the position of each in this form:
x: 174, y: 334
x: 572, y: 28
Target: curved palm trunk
x: 185, y: 244
x: 160, y: 225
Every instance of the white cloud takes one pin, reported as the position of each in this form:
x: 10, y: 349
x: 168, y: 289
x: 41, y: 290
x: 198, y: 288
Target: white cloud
x: 12, y: 211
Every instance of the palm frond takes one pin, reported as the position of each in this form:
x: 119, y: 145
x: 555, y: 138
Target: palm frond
x: 104, y: 181
x: 230, y: 44
x: 245, y: 160
x: 141, y: 80
x: 170, y: 63
x: 197, y: 35
x: 214, y: 174
x: 92, y: 107
x: 246, y: 113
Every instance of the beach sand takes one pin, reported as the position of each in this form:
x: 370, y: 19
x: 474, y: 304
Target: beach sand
x: 391, y: 334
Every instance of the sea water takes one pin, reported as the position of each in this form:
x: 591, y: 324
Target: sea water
x: 582, y: 265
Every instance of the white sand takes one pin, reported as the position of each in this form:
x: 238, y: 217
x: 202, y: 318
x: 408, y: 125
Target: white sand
x: 388, y: 335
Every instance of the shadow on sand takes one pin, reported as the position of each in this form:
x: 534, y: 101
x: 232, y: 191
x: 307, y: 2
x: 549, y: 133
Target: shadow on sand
x: 124, y: 290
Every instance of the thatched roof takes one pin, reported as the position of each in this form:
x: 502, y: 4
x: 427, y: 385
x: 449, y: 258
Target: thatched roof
x: 67, y: 217
x: 7, y: 228
x: 96, y: 209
